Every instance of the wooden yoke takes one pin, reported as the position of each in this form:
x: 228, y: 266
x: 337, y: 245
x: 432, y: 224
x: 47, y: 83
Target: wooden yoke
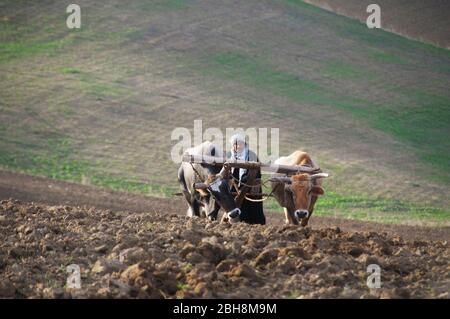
x: 272, y: 168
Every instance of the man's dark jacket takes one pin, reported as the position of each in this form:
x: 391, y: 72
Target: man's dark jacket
x: 251, y: 212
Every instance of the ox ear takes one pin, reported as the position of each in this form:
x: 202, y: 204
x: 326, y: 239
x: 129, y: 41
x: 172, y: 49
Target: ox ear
x: 317, y: 190
x: 201, y: 188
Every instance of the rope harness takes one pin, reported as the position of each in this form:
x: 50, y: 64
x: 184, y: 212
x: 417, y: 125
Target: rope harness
x: 200, y: 178
x: 261, y: 184
x: 236, y: 182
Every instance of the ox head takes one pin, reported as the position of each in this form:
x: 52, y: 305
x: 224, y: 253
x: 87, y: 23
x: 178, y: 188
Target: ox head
x: 299, y: 189
x: 219, y: 188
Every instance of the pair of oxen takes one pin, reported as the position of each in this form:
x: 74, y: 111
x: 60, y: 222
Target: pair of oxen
x: 297, y: 194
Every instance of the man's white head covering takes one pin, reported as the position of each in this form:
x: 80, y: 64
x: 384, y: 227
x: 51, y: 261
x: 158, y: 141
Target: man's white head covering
x: 238, y: 137
x: 243, y: 155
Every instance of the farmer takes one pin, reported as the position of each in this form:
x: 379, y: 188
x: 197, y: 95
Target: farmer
x: 251, y: 212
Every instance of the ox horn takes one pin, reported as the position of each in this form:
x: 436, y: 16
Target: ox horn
x: 224, y: 171
x: 200, y: 185
x: 203, y: 186
x: 319, y: 175
x: 286, y: 180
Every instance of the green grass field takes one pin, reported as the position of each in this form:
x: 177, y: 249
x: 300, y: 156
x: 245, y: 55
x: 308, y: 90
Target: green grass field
x: 98, y: 105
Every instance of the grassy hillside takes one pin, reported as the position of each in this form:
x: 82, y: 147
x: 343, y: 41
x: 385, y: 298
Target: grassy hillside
x: 427, y: 21
x: 98, y: 105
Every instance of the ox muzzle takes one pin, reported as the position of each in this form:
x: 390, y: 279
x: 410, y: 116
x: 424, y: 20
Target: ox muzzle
x: 234, y: 215
x: 301, y: 213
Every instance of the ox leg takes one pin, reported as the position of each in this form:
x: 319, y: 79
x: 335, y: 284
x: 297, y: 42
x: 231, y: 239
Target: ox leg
x: 224, y: 218
x: 290, y: 217
x: 194, y: 207
x: 213, y: 215
x: 188, y: 197
x: 311, y: 209
x: 202, y: 212
x: 190, y: 212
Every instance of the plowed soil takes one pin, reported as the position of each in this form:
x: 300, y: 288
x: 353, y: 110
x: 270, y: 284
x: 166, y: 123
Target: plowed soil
x: 138, y: 251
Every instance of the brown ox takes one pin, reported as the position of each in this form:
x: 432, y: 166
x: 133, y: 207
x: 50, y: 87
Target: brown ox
x: 297, y: 194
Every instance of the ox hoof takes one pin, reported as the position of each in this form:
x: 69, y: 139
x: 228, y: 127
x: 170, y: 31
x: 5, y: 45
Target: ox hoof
x: 212, y: 217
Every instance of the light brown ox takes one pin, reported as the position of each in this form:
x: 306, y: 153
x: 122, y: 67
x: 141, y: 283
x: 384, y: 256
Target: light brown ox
x: 297, y: 194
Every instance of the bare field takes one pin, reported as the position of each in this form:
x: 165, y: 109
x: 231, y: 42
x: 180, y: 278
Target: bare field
x: 165, y: 255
